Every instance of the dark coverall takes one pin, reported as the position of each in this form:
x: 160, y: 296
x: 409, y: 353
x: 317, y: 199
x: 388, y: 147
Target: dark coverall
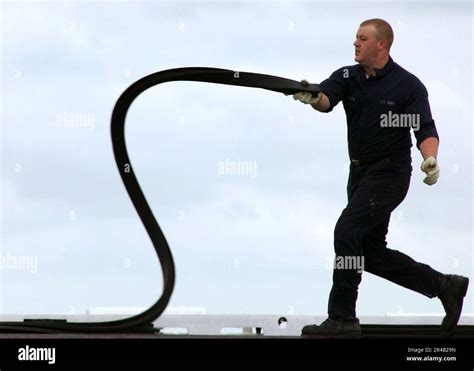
x: 379, y: 178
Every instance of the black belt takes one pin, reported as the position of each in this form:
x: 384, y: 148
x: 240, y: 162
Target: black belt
x: 369, y: 161
x: 143, y: 320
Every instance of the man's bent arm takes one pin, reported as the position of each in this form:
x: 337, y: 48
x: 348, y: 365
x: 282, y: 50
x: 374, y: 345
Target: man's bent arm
x: 429, y: 147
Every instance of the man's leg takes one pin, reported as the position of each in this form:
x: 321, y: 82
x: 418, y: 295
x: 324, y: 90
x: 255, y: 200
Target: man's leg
x: 374, y: 192
x: 404, y: 271
x: 396, y: 266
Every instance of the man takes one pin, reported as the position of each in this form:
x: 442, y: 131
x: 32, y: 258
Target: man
x: 382, y: 102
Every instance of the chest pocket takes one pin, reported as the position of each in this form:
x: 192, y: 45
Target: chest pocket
x: 352, y: 105
x: 355, y: 97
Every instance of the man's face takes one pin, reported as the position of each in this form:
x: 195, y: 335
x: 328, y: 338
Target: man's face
x: 366, y: 45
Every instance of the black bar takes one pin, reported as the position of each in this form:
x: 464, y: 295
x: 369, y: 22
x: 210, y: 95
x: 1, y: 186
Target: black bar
x: 143, y: 350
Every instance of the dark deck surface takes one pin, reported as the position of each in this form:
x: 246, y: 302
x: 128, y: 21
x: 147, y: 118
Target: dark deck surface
x: 368, y: 331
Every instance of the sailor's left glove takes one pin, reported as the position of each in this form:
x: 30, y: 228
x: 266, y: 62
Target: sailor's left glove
x: 431, y: 168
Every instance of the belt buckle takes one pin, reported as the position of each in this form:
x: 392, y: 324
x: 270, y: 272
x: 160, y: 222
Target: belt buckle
x: 355, y: 162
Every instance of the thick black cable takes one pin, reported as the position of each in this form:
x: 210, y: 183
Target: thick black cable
x: 143, y: 320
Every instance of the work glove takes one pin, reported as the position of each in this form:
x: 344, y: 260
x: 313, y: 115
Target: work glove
x: 307, y: 97
x: 431, y: 168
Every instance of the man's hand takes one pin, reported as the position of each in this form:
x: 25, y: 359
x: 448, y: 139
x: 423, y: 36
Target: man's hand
x: 307, y: 97
x: 431, y: 168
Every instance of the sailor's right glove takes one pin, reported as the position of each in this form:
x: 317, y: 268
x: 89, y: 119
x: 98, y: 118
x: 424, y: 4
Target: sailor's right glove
x: 307, y: 97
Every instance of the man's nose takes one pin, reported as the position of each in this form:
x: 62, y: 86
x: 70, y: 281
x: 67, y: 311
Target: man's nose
x: 356, y: 44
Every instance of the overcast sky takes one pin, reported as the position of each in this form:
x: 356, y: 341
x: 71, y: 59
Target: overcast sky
x: 253, y: 243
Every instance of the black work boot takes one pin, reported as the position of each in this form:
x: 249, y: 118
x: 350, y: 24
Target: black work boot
x: 331, y: 327
x: 452, y: 291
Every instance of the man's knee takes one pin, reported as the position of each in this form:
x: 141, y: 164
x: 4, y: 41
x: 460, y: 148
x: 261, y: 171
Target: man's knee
x: 347, y: 238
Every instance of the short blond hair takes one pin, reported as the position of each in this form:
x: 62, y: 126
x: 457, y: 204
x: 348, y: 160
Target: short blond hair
x: 383, y: 30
